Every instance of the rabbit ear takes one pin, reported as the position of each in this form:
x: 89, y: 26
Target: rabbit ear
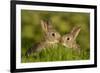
x: 74, y: 28
x: 75, y: 31
x: 44, y: 25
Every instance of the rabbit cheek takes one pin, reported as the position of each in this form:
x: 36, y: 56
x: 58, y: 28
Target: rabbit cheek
x: 64, y: 42
x: 54, y: 36
x: 67, y: 42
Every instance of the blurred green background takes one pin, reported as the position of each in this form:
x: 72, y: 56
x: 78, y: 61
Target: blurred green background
x: 63, y: 22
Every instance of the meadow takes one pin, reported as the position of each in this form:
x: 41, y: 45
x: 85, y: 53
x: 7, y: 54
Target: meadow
x: 63, y: 22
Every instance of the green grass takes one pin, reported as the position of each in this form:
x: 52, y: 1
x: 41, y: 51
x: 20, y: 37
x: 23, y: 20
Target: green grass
x: 59, y: 53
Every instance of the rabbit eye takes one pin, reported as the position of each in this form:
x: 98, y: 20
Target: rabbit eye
x: 53, y: 34
x: 68, y: 38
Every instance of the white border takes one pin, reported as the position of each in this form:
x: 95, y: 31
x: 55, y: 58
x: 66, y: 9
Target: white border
x: 20, y: 65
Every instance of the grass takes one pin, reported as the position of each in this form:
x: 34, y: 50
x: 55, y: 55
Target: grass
x: 58, y: 53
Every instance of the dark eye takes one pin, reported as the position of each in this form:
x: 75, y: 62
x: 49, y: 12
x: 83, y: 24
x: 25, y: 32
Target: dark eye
x: 53, y: 34
x: 68, y: 38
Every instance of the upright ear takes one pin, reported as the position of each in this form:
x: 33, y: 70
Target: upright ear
x: 75, y: 31
x: 44, y: 25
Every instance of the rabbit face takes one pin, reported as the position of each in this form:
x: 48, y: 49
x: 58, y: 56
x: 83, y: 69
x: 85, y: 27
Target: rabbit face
x: 51, y: 35
x: 68, y: 40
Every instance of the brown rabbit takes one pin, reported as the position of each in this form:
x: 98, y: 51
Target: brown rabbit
x: 51, y: 38
x: 69, y: 40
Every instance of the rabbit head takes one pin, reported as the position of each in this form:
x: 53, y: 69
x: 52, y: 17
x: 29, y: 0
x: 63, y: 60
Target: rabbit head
x: 51, y: 35
x: 68, y: 40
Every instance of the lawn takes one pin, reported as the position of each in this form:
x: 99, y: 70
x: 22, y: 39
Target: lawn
x: 59, y: 53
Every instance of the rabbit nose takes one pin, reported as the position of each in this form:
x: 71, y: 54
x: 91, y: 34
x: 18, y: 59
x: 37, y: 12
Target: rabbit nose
x: 60, y: 40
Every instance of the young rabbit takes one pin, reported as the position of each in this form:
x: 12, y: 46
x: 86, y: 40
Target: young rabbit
x: 69, y: 40
x: 51, y: 38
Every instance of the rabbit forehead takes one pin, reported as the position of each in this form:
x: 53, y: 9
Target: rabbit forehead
x: 68, y: 36
x: 53, y: 31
